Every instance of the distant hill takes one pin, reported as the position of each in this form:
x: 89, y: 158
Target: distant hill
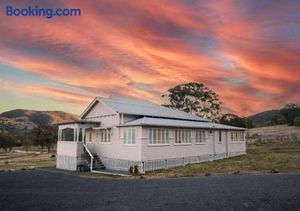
x: 285, y: 115
x: 20, y: 122
x: 265, y: 118
x: 39, y: 117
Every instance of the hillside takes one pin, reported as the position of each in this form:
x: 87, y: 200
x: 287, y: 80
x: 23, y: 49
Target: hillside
x: 285, y: 115
x: 39, y: 117
x: 20, y: 122
x: 265, y: 118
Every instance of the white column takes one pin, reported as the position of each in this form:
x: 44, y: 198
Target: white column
x: 77, y: 132
x: 227, y: 145
x: 59, y: 133
x: 83, y: 135
x: 74, y: 129
x: 214, y: 142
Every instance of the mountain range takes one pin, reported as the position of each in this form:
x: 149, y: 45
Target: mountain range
x: 265, y: 118
x: 39, y: 117
x: 20, y: 122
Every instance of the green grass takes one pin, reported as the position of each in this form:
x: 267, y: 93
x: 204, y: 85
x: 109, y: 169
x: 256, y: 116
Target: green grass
x: 259, y: 159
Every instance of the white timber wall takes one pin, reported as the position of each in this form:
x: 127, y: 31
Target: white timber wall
x: 68, y: 155
x: 116, y: 148
x: 69, y: 148
x: 104, y: 114
x: 173, y: 150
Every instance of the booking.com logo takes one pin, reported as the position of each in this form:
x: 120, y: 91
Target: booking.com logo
x: 42, y: 12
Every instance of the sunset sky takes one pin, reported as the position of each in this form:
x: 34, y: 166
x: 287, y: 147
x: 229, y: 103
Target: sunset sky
x: 246, y: 51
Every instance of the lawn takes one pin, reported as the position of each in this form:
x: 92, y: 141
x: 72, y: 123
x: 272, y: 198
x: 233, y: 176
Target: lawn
x: 259, y: 159
x: 20, y: 160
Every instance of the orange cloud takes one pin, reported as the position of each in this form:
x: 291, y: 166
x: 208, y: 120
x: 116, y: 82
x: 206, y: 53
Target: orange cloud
x: 143, y: 48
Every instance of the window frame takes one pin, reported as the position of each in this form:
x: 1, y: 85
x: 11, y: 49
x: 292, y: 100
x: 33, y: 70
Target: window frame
x: 104, y: 135
x: 129, y: 136
x: 184, y: 135
x: 200, y: 137
x: 237, y: 136
x: 158, y: 137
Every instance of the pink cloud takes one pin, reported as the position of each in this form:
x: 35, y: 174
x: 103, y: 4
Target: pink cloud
x: 144, y: 48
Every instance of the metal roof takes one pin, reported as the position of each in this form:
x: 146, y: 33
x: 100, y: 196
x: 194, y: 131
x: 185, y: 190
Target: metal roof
x: 126, y: 105
x: 146, y: 121
x: 77, y: 122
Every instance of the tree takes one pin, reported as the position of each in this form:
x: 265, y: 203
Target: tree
x: 290, y: 112
x: 235, y: 120
x: 26, y: 144
x: 291, y: 106
x: 7, y: 142
x: 194, y: 98
x: 44, y: 136
x: 297, y: 122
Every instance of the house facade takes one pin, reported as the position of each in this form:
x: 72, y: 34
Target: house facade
x: 121, y: 132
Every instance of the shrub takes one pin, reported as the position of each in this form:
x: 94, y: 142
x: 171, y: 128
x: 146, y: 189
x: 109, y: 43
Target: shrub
x: 297, y: 121
x: 7, y: 142
x: 130, y: 170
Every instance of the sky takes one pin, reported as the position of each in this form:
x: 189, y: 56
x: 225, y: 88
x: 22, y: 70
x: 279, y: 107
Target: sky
x: 248, y: 52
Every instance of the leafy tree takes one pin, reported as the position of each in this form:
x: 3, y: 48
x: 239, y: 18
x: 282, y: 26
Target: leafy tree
x: 297, y: 122
x: 290, y: 112
x: 26, y: 144
x: 44, y: 136
x: 277, y: 120
x: 7, y: 142
x: 194, y: 98
x: 235, y: 120
x: 291, y: 106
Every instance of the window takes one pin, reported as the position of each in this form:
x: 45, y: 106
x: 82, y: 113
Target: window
x: 67, y: 134
x: 200, y: 136
x: 129, y: 136
x: 220, y: 136
x: 183, y: 136
x: 237, y: 136
x: 158, y: 136
x: 103, y: 135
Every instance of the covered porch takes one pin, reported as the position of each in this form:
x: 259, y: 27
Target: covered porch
x: 72, y: 137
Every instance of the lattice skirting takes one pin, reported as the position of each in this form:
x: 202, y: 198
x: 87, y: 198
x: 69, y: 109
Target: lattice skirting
x: 71, y: 163
x: 67, y: 162
x: 174, y: 162
x: 123, y: 165
x: 117, y: 164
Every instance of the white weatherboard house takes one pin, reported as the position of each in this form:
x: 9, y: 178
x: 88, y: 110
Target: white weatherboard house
x: 119, y: 132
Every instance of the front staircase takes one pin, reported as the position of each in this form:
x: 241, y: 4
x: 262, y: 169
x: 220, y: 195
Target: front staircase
x: 97, y: 163
x: 92, y: 160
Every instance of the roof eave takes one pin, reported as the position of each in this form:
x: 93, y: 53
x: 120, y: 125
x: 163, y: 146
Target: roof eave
x: 179, y: 126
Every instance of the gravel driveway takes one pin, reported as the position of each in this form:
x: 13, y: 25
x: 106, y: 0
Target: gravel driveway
x: 41, y: 190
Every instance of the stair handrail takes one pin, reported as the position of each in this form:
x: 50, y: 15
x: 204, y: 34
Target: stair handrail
x: 91, y: 155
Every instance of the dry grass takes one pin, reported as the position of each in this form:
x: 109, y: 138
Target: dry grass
x: 259, y: 159
x: 18, y: 161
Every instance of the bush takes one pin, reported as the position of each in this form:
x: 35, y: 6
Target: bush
x: 7, y: 142
x: 297, y: 122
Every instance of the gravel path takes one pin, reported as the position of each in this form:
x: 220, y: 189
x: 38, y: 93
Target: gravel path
x: 42, y: 190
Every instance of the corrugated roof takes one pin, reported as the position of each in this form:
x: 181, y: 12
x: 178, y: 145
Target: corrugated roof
x: 140, y: 107
x: 80, y: 121
x: 147, y: 121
